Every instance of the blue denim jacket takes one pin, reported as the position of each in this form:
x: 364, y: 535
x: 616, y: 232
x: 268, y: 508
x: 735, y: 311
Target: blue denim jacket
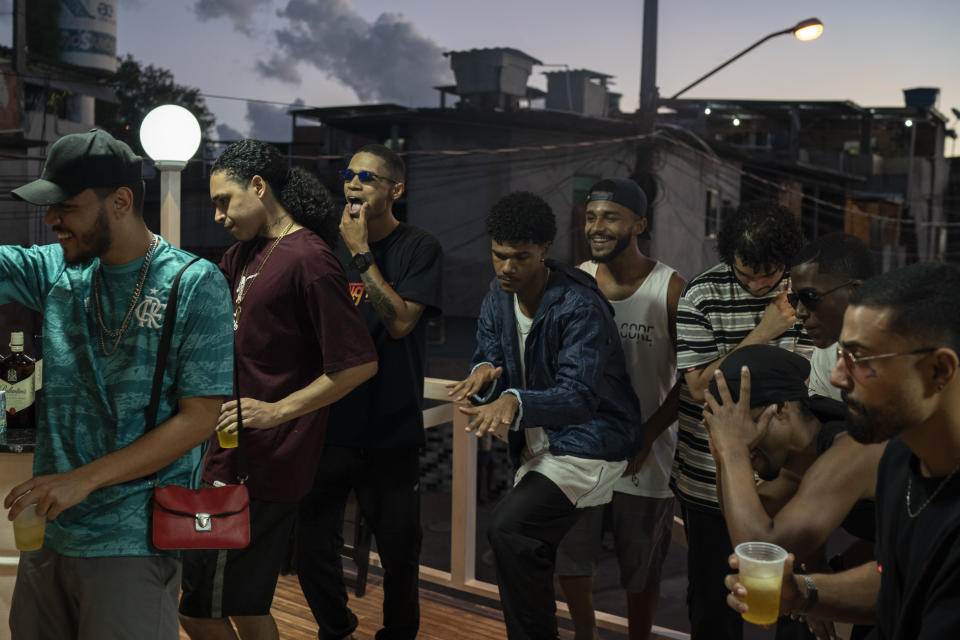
x: 577, y: 387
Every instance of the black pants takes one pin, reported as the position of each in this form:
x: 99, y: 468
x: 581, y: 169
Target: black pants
x: 708, y: 547
x: 526, y: 527
x: 387, y: 486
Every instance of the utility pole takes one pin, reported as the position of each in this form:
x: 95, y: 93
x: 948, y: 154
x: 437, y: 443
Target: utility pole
x: 20, y: 37
x: 649, y: 97
x: 643, y: 171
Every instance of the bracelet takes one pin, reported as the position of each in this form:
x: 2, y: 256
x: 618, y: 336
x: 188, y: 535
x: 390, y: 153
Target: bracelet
x: 810, y: 601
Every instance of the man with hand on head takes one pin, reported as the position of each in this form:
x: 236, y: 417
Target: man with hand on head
x: 817, y: 478
x: 376, y: 432
x: 299, y: 347
x: 898, y: 368
x: 98, y: 577
x: 548, y: 376
x: 644, y: 295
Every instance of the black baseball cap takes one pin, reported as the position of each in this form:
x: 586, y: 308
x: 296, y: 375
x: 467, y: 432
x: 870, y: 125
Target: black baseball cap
x: 776, y: 375
x: 623, y: 191
x: 81, y: 161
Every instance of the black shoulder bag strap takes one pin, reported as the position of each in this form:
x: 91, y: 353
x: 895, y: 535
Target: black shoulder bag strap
x: 169, y: 319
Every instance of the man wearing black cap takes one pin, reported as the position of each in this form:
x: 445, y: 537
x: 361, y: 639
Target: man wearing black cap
x: 102, y: 293
x: 644, y: 295
x: 784, y: 429
x: 817, y: 478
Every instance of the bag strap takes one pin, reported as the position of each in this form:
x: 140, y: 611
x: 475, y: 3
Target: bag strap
x: 169, y: 319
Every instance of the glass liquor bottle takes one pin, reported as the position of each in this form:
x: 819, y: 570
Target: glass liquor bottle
x: 17, y: 371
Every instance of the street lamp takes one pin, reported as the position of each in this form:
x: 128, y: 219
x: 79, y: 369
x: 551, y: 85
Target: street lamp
x: 805, y: 30
x: 170, y: 135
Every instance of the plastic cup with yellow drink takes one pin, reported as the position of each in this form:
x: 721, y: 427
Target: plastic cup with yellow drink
x: 228, y: 436
x: 761, y: 573
x: 28, y: 528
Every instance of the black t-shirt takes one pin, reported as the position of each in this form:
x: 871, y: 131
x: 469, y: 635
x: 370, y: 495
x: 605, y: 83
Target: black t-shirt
x: 919, y: 557
x: 861, y: 522
x: 385, y: 411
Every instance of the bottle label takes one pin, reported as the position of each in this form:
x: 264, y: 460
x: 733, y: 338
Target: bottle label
x: 20, y: 395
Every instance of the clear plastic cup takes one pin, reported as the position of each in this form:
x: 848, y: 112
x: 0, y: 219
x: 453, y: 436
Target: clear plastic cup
x: 228, y: 439
x: 761, y: 573
x: 28, y: 528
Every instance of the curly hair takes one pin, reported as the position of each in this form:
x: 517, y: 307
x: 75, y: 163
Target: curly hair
x: 762, y: 234
x: 306, y: 200
x: 521, y: 217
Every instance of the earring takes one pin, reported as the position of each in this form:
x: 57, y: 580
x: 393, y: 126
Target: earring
x: 939, y: 387
x: 542, y: 260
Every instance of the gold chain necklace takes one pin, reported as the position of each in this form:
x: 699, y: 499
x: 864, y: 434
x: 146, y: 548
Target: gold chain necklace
x: 933, y: 495
x: 137, y: 290
x: 246, y: 283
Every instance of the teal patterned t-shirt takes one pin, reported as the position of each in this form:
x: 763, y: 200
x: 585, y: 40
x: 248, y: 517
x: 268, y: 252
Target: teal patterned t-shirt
x: 92, y: 404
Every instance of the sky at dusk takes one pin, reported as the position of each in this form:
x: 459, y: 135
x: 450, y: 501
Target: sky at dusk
x: 338, y: 52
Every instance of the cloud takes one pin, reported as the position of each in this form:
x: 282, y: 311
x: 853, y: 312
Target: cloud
x: 239, y: 11
x: 388, y: 60
x: 270, y: 123
x: 226, y: 133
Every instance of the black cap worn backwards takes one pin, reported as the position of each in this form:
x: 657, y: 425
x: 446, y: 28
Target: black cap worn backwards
x: 623, y: 191
x: 776, y: 375
x: 81, y: 161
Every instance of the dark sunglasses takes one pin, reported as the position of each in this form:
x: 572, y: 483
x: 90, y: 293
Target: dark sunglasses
x: 365, y: 176
x: 810, y: 299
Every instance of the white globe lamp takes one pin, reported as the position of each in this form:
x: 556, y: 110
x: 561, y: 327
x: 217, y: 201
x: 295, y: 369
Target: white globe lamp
x: 170, y: 135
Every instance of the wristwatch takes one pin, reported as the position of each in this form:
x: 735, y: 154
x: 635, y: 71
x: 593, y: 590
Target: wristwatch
x: 362, y: 261
x: 810, y: 601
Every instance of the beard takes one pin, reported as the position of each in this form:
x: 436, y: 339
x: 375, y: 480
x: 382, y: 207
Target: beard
x: 621, y: 244
x: 93, y: 243
x: 870, y: 427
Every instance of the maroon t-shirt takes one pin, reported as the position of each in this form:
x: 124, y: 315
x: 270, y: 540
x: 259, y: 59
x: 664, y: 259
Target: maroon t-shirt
x: 297, y: 322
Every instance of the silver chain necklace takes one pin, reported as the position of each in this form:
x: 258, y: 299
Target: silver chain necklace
x: 116, y: 335
x: 933, y: 495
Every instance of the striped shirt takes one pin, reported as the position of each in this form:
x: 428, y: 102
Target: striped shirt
x: 714, y: 316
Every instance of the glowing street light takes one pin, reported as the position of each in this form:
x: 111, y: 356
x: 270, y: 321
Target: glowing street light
x: 805, y: 30
x: 170, y: 135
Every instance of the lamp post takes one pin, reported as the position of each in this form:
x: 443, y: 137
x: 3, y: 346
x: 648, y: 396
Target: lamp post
x: 805, y: 30
x: 170, y: 135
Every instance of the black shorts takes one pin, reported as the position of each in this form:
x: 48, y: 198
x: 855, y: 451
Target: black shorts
x: 240, y: 582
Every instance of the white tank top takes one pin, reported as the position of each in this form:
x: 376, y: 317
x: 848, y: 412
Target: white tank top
x: 643, y: 323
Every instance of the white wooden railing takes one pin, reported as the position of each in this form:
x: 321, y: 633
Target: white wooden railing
x: 463, y: 515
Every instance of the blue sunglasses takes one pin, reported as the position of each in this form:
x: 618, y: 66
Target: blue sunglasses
x: 365, y: 176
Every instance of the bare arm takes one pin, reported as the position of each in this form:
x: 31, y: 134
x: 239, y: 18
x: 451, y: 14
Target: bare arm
x: 849, y: 596
x: 844, y: 474
x: 399, y: 316
x: 667, y: 413
x: 323, y: 391
x: 192, y: 424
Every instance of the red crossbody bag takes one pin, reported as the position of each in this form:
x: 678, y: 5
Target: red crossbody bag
x: 206, y: 518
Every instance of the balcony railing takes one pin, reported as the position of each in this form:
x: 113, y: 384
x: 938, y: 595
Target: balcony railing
x: 463, y: 515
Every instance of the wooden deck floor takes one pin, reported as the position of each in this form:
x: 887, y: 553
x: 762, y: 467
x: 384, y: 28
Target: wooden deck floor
x: 442, y: 616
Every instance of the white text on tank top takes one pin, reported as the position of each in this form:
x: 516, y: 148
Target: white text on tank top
x: 644, y: 325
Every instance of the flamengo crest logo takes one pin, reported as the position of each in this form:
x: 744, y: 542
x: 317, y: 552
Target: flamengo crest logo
x: 149, y: 312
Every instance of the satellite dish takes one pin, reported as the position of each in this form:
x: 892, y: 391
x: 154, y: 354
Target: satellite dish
x: 956, y: 113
